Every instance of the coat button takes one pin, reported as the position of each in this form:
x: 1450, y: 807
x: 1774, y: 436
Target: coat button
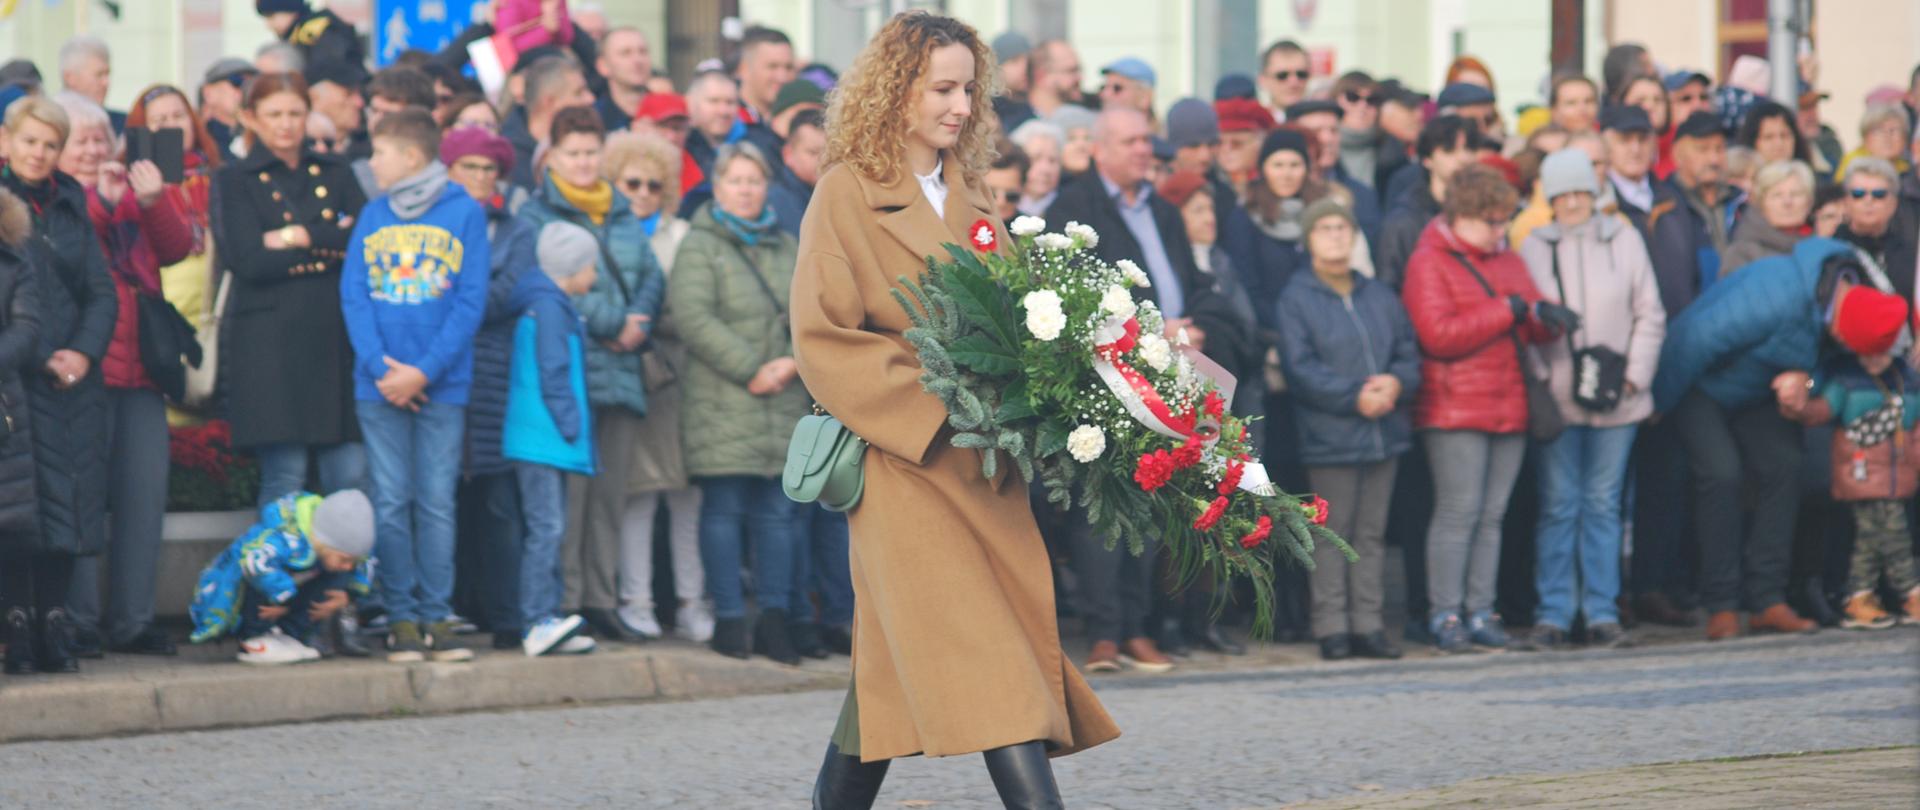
x: 264, y: 178
x: 326, y: 213
x: 314, y: 169
x: 320, y: 191
x: 276, y: 196
x: 288, y: 215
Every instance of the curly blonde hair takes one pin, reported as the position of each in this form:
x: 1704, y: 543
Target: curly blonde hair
x: 657, y: 157
x: 871, y: 112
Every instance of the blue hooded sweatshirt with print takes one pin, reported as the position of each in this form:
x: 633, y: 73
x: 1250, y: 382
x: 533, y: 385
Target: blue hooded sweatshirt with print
x: 415, y: 290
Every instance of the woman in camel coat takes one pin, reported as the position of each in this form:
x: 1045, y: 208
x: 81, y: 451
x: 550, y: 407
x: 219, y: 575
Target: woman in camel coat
x: 956, y: 649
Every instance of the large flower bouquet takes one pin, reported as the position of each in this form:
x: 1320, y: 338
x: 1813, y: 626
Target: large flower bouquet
x: 1043, y: 357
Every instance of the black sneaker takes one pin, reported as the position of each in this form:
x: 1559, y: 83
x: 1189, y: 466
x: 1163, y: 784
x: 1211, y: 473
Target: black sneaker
x: 1375, y: 645
x: 1608, y: 635
x: 84, y: 643
x: 443, y: 643
x: 404, y: 643
x: 149, y: 641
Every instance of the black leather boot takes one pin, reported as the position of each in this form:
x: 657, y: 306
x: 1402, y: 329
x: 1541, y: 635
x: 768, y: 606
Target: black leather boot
x: 771, y: 638
x: 55, y: 653
x: 846, y: 783
x: 21, y: 658
x: 1023, y: 777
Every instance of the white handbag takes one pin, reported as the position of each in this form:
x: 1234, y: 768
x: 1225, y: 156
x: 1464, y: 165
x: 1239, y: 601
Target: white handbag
x: 204, y: 379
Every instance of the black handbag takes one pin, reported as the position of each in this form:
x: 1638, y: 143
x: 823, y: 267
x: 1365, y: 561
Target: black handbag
x: 1599, y: 373
x: 1544, y: 423
x: 168, y: 344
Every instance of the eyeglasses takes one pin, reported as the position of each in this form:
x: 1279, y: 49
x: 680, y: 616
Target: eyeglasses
x: 1297, y: 75
x: 1863, y: 193
x: 1356, y: 98
x: 634, y: 184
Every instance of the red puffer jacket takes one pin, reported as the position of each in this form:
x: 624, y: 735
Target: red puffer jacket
x: 138, y: 242
x: 1469, y: 369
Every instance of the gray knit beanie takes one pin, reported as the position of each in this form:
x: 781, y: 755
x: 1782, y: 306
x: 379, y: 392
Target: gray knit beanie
x: 565, y: 249
x: 1567, y: 171
x: 344, y: 522
x: 1321, y: 209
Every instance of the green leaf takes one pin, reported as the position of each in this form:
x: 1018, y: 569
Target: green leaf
x: 1014, y: 402
x: 1053, y: 439
x: 985, y: 303
x: 981, y: 353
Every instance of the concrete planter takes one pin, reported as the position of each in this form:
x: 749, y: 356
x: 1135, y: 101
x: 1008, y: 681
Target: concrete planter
x: 188, y: 541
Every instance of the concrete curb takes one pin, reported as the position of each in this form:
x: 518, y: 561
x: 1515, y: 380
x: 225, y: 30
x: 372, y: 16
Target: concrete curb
x: 229, y: 695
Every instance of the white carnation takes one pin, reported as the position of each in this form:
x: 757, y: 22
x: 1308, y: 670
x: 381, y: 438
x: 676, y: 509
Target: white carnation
x: 1053, y: 241
x: 1027, y: 226
x: 1084, y: 233
x: 1135, y: 276
x: 1044, y: 316
x: 1117, y: 301
x: 1155, y: 350
x: 1086, y: 443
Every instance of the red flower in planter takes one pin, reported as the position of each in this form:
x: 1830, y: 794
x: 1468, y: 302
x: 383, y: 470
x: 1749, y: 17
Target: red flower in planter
x: 982, y: 236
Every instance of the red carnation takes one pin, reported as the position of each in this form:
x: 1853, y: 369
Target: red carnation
x: 1189, y: 453
x: 1154, y: 470
x: 1316, y: 510
x: 1261, y: 529
x: 983, y: 237
x: 1216, y: 407
x: 1214, y: 510
x: 1231, y: 481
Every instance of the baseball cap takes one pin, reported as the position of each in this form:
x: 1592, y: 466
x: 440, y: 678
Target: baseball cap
x: 231, y: 70
x: 1682, y: 78
x: 661, y: 106
x: 1625, y: 118
x: 1701, y: 124
x: 1011, y: 45
x: 1463, y: 94
x: 1132, y: 68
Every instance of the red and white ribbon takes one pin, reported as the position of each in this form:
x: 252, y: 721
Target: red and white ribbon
x: 1112, y: 341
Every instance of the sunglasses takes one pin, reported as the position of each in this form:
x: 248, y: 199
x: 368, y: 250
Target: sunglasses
x: 1369, y: 100
x: 1283, y: 75
x: 634, y: 184
x: 1862, y: 193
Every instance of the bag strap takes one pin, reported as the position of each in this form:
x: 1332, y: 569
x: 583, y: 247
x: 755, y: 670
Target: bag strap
x: 1561, y: 287
x: 219, y: 309
x: 613, y: 267
x: 1519, y: 349
x: 754, y: 270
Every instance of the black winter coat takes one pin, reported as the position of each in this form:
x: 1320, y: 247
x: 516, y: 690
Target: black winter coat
x: 511, y: 241
x: 1085, y: 200
x: 1330, y: 346
x: 19, y: 346
x: 1400, y: 233
x: 1670, y: 244
x: 77, y: 309
x: 287, y: 369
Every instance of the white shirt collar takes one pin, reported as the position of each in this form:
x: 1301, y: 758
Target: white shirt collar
x: 935, y: 187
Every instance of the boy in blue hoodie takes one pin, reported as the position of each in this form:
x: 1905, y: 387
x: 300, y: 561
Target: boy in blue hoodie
x: 549, y: 430
x: 413, y: 293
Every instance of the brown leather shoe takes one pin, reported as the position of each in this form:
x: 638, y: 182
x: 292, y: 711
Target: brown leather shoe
x: 1105, y: 657
x: 1657, y: 608
x: 1723, y: 625
x: 1779, y: 618
x: 1144, y: 656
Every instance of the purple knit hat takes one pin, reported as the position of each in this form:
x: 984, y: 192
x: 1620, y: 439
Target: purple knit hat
x: 463, y: 141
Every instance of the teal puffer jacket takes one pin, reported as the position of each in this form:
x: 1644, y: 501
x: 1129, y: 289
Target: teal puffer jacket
x: 732, y: 327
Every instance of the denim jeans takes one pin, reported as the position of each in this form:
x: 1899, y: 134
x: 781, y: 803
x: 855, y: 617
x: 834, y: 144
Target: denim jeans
x: 415, y: 460
x: 820, y: 564
x: 283, y: 468
x: 543, y: 505
x: 295, y: 623
x: 1578, y: 543
x: 736, y: 505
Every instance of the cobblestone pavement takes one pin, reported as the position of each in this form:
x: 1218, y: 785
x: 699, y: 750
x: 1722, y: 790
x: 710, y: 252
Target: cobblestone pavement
x: 1258, y: 738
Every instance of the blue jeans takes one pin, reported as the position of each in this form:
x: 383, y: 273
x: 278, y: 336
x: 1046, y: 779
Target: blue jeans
x: 283, y: 468
x: 296, y: 623
x: 733, y: 505
x: 543, y: 507
x: 1581, y: 476
x: 820, y: 564
x: 415, y: 459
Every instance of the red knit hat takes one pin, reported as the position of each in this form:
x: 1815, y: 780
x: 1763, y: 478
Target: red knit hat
x: 1243, y: 115
x: 1868, y: 321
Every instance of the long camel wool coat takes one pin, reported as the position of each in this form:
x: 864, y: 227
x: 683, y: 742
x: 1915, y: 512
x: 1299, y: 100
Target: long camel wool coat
x: 955, y: 645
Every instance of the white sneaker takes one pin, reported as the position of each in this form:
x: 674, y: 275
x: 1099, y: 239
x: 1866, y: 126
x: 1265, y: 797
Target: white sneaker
x: 578, y: 645
x: 548, y: 634
x: 639, y: 620
x: 695, y: 621
x: 275, y: 648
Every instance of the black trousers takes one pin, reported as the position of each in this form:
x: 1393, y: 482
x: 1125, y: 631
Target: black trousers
x: 487, y: 554
x: 1116, y: 587
x: 1664, y: 552
x: 35, y: 581
x: 1752, y: 449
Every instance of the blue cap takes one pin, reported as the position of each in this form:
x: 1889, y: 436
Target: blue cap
x: 1463, y: 94
x: 1234, y: 85
x: 1682, y: 78
x: 1625, y: 118
x: 1132, y: 68
x: 10, y: 94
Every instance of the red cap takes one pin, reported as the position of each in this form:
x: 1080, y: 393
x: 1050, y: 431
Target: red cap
x: 1868, y: 320
x: 1243, y: 115
x: 658, y: 107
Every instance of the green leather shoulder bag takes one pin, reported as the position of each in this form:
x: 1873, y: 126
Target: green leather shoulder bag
x: 824, y: 463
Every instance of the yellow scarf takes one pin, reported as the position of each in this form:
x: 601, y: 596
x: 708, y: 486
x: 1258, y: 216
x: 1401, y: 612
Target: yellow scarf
x: 595, y: 202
